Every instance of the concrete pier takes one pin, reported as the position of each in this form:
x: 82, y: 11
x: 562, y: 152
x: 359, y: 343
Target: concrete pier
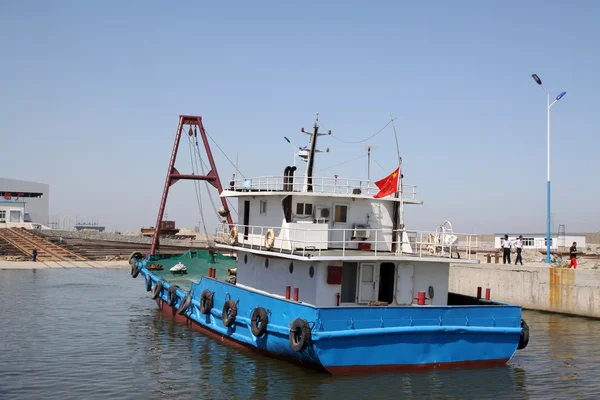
x: 535, y: 287
x: 62, y: 264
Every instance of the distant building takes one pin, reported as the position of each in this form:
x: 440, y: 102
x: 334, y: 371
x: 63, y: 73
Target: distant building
x: 89, y: 227
x: 23, y: 201
x: 538, y: 240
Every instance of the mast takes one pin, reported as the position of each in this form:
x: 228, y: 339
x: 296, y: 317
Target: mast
x: 308, y: 178
x: 398, y: 208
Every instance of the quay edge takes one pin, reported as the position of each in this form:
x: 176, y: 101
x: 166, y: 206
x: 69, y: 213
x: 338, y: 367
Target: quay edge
x: 542, y: 288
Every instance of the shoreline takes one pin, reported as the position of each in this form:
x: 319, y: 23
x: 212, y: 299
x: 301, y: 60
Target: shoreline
x: 29, y: 265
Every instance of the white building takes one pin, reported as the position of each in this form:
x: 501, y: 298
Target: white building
x: 538, y: 240
x: 23, y: 202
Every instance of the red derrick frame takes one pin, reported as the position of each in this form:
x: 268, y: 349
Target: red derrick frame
x: 173, y: 175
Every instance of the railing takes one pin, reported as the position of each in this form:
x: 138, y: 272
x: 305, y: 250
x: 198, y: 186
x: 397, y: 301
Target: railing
x: 319, y: 239
x: 319, y: 185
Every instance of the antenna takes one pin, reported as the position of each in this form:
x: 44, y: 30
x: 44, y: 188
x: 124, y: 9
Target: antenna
x: 312, y: 149
x: 369, y: 147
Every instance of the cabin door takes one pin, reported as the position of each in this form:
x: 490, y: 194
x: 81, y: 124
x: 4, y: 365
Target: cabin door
x: 404, y: 284
x: 368, y: 280
x: 246, y: 218
x: 339, y: 226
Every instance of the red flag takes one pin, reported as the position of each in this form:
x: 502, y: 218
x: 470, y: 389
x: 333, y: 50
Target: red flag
x: 388, y: 185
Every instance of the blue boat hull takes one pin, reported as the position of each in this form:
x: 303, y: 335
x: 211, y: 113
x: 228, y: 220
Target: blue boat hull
x: 347, y: 340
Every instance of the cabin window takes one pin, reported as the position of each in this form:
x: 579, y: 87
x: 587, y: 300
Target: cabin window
x: 341, y: 214
x: 304, y: 209
x: 528, y: 242
x: 2, y: 216
x: 349, y: 271
x: 263, y: 207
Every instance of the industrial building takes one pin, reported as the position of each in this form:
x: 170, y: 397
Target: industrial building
x: 23, y: 201
x: 538, y: 240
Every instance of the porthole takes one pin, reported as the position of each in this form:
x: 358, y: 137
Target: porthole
x: 245, y: 258
x: 291, y: 268
x: 266, y: 263
x: 311, y: 271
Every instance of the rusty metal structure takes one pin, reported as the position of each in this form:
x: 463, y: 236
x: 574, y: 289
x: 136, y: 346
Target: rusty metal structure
x: 173, y: 175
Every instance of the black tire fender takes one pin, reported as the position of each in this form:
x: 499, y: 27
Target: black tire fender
x: 135, y: 271
x: 172, y: 295
x: 259, y: 321
x: 300, y: 335
x: 134, y: 256
x: 157, y: 289
x: 524, y: 339
x: 148, y: 283
x: 186, y: 302
x: 206, y: 301
x: 229, y: 312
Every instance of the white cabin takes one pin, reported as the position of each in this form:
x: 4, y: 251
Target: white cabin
x: 336, y: 244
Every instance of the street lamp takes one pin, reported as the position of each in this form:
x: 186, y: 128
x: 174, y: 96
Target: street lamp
x: 560, y: 96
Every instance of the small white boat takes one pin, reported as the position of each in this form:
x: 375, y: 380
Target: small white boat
x: 179, y: 268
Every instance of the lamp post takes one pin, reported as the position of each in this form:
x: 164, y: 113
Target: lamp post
x: 560, y: 96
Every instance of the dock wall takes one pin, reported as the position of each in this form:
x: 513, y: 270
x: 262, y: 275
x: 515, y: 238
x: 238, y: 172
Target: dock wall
x: 568, y: 291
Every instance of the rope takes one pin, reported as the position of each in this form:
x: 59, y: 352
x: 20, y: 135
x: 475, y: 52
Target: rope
x: 197, y: 190
x: 219, y: 147
x: 342, y: 163
x: 202, y: 165
x: 364, y: 140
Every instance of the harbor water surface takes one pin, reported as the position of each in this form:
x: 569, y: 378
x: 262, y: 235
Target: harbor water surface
x: 96, y: 334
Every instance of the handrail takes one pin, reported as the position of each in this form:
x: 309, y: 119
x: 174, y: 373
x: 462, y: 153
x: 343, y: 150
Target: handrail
x: 319, y: 185
x: 317, y: 241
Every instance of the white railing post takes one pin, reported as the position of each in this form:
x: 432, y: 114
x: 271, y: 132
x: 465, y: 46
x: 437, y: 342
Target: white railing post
x: 376, y: 241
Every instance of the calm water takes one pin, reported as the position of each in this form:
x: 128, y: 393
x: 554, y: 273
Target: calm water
x: 96, y: 334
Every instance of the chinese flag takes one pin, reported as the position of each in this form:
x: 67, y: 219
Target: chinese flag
x: 388, y: 185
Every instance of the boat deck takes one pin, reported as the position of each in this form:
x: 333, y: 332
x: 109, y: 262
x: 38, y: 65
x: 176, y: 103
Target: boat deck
x: 346, y: 254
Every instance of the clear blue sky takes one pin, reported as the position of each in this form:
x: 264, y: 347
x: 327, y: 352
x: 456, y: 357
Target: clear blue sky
x: 91, y: 93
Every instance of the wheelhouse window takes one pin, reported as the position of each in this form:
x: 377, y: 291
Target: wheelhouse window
x: 304, y: 209
x: 263, y: 207
x: 340, y: 214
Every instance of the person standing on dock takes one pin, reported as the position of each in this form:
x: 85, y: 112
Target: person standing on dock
x: 34, y: 254
x: 519, y: 246
x: 506, y: 245
x: 573, y: 255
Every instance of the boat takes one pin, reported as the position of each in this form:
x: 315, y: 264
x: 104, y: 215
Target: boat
x: 327, y: 276
x: 179, y: 268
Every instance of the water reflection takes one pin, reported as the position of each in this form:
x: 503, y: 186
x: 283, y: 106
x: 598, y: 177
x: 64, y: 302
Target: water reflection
x: 96, y: 334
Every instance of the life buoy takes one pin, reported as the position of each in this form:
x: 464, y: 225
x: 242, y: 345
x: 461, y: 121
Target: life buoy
x: 229, y: 312
x: 270, y: 238
x: 157, y: 289
x: 300, y: 335
x: 524, y: 339
x: 233, y: 235
x: 172, y: 295
x: 184, y: 305
x: 259, y: 321
x: 148, y: 283
x: 206, y: 301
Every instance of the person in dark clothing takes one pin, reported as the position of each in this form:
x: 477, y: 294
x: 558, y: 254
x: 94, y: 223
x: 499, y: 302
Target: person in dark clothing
x: 34, y: 254
x: 573, y: 255
x: 519, y: 246
x: 506, y: 250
